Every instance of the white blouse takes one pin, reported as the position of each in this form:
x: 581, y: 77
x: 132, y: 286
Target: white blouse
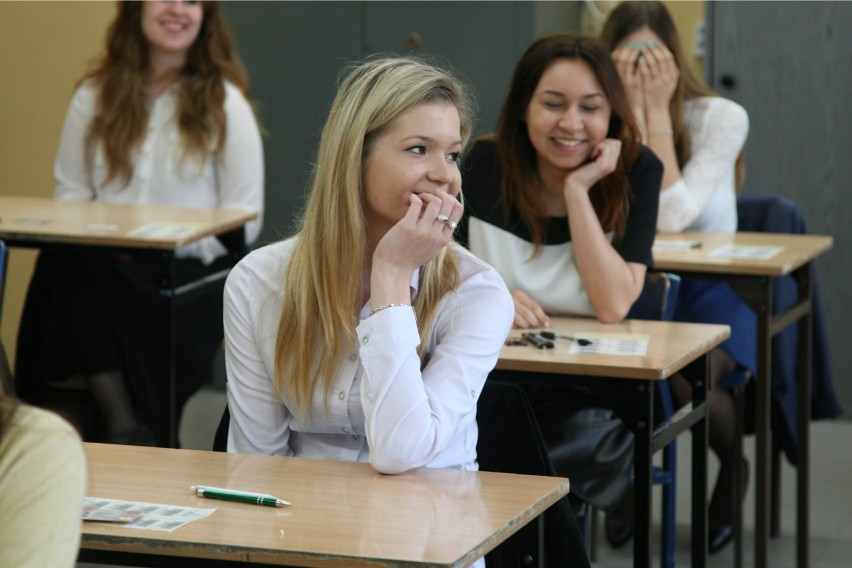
x: 551, y: 277
x: 160, y: 176
x: 705, y: 198
x: 381, y: 407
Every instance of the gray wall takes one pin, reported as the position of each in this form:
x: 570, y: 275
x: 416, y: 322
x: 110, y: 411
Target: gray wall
x: 294, y: 52
x: 790, y: 65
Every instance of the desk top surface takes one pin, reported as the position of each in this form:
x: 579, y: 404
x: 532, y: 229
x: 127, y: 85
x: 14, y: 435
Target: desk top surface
x: 670, y: 347
x: 32, y: 221
x: 342, y: 514
x: 742, y: 253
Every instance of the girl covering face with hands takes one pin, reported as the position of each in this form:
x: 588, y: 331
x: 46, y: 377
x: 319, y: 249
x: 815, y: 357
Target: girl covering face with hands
x: 368, y: 335
x: 699, y: 136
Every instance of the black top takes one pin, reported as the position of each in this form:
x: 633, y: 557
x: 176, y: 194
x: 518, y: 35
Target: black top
x: 498, y: 236
x: 481, y: 189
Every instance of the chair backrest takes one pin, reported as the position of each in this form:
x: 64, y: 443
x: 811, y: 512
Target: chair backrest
x: 3, y: 259
x: 657, y: 302
x: 769, y: 213
x: 220, y: 438
x: 510, y: 441
x: 777, y: 214
x: 658, y: 298
x: 8, y: 385
x: 5, y: 370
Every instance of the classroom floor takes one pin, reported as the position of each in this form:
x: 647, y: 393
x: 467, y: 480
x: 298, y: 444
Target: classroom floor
x: 831, y: 495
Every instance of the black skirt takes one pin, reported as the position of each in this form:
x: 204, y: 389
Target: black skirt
x: 87, y: 313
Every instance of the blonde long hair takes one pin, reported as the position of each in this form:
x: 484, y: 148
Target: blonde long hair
x: 322, y: 297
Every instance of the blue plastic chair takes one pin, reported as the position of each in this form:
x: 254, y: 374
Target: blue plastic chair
x: 656, y: 302
x: 5, y: 370
x: 3, y: 261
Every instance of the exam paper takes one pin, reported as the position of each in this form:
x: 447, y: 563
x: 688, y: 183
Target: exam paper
x: 165, y: 230
x: 150, y: 516
x: 755, y: 252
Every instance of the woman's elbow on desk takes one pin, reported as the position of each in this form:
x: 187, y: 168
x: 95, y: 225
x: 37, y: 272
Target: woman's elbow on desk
x: 611, y: 313
x: 389, y: 466
x: 398, y: 456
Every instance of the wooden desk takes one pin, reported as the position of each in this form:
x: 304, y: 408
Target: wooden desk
x: 343, y: 514
x: 49, y: 224
x: 751, y: 279
x: 672, y: 348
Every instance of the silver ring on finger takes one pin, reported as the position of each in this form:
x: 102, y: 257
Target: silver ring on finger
x: 441, y: 218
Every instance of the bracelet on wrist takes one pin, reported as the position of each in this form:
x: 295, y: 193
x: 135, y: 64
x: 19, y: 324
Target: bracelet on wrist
x: 380, y: 308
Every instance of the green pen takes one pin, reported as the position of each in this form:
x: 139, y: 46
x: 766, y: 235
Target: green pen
x: 238, y: 496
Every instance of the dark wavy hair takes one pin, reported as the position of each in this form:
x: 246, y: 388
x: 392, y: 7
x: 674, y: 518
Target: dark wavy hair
x: 517, y: 162
x: 122, y: 113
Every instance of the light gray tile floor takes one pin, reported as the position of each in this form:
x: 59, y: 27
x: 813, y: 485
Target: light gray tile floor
x: 830, y: 508
x: 830, y: 494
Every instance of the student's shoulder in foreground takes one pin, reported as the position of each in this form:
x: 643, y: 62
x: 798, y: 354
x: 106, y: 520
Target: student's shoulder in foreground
x: 42, y: 483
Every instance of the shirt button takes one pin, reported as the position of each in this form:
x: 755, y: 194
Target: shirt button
x: 364, y: 340
x: 473, y: 393
x: 340, y: 395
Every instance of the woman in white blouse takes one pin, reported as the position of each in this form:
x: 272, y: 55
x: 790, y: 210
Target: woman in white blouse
x: 368, y: 335
x: 162, y: 118
x: 699, y: 137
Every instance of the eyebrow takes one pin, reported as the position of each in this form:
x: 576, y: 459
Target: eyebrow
x: 421, y: 138
x: 560, y: 94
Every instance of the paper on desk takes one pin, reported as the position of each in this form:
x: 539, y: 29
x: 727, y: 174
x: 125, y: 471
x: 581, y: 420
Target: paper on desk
x: 150, y: 516
x: 161, y: 230
x: 675, y: 245
x: 755, y: 252
x: 611, y: 343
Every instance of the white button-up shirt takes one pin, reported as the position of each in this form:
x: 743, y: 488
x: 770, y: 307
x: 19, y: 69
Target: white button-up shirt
x: 160, y: 176
x: 381, y: 407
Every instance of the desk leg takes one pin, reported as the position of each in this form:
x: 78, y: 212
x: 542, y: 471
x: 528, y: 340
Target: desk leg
x: 763, y: 426
x: 698, y: 374
x: 643, y: 463
x: 757, y: 293
x: 804, y: 280
x: 169, y: 430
